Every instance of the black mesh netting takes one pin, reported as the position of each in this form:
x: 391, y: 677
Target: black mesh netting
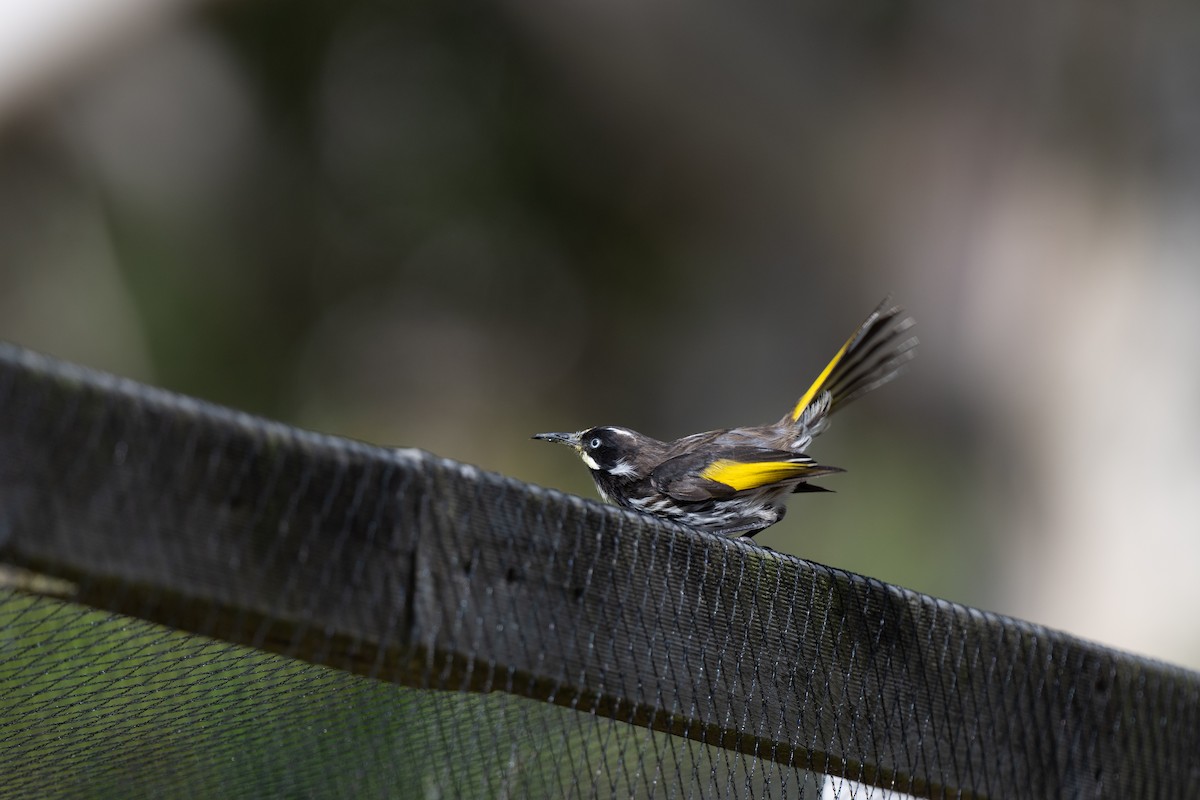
x: 194, y: 602
x: 97, y: 705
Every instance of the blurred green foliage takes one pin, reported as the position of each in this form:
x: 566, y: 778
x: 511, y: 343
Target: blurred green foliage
x: 451, y: 226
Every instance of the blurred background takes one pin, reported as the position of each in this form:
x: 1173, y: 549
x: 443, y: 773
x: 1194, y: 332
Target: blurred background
x: 450, y: 226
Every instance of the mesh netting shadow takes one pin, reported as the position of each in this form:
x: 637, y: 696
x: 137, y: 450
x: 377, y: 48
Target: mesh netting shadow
x: 196, y: 602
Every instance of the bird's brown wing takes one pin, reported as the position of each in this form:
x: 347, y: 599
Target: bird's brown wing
x: 723, y: 472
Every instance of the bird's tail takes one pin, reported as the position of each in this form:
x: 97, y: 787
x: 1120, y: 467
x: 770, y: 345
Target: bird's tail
x: 870, y: 358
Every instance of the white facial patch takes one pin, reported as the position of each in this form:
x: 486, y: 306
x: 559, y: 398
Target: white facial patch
x: 591, y: 462
x: 623, y: 469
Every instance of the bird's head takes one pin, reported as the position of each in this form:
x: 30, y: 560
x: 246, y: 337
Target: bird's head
x: 607, y: 449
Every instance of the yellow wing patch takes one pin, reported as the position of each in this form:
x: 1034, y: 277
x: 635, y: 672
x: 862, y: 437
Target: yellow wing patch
x: 819, y: 383
x: 749, y: 475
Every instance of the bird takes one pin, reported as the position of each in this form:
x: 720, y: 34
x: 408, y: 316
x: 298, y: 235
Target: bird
x: 736, y: 481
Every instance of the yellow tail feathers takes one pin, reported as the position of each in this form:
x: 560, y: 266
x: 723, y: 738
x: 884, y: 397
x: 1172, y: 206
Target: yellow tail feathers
x: 870, y: 358
x: 819, y: 383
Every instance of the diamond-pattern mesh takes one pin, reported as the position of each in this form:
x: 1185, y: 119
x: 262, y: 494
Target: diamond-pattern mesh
x: 197, y: 603
x: 100, y: 705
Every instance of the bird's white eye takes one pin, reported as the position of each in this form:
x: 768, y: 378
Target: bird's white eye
x: 594, y: 444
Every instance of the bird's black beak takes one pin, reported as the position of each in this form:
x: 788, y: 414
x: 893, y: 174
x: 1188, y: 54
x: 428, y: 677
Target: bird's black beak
x: 571, y: 439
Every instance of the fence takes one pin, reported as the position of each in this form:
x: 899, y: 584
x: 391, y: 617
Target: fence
x: 197, y: 602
